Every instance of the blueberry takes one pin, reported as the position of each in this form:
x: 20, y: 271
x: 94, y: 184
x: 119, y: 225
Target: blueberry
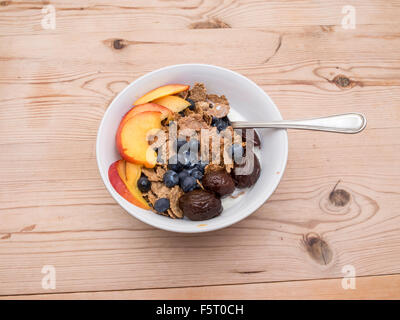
x: 197, y: 174
x: 172, y: 122
x: 161, y: 205
x: 160, y: 157
x: 221, y: 125
x: 194, y: 159
x: 201, y: 166
x: 193, y: 164
x: 174, y: 164
x: 189, y: 171
x: 171, y: 178
x: 177, y: 167
x: 188, y: 184
x: 184, y: 159
x: 144, y: 184
x: 194, y: 145
x: 183, y: 174
x: 187, y: 156
x: 179, y: 143
x: 226, y: 119
x: 192, y: 104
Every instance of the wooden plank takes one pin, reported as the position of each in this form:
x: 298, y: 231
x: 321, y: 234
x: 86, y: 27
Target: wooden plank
x: 382, y: 287
x: 307, y: 59
x: 54, y: 209
x: 75, y: 17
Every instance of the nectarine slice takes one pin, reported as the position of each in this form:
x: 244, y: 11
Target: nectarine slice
x: 130, y: 192
x: 173, y: 103
x: 161, y: 92
x: 132, y: 172
x: 132, y: 140
x: 166, y: 112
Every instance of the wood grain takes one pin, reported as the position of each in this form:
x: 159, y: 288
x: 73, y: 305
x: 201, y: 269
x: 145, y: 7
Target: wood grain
x: 56, y: 84
x: 377, y: 287
x: 74, y: 17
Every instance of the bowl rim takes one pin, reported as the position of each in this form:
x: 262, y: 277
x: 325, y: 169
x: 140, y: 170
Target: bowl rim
x: 191, y: 230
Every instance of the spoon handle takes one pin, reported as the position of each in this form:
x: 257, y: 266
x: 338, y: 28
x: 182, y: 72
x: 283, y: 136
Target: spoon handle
x: 342, y: 123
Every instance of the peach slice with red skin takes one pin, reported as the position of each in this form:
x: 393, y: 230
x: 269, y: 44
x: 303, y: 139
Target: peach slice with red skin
x: 132, y: 142
x: 173, y: 103
x: 160, y: 92
x: 132, y: 173
x: 167, y: 113
x: 128, y: 190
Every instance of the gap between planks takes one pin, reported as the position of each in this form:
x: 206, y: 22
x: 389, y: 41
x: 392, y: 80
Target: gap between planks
x: 367, y: 287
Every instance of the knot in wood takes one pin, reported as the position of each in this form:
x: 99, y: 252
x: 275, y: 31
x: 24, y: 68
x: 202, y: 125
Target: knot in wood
x: 118, y: 44
x: 343, y: 82
x: 317, y: 248
x: 209, y: 24
x: 339, y: 197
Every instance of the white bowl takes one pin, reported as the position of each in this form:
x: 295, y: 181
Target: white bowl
x: 248, y: 102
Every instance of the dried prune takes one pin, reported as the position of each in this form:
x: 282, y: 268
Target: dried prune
x: 247, y: 180
x: 200, y: 205
x: 256, y: 139
x: 218, y: 181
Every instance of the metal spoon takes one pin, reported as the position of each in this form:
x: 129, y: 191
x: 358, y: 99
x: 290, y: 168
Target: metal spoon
x: 342, y: 123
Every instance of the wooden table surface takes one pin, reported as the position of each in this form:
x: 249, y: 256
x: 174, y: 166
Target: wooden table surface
x: 336, y: 209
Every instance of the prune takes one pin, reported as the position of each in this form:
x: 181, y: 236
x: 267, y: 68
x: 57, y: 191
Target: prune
x: 256, y: 140
x: 218, y: 181
x: 200, y: 205
x: 247, y: 180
